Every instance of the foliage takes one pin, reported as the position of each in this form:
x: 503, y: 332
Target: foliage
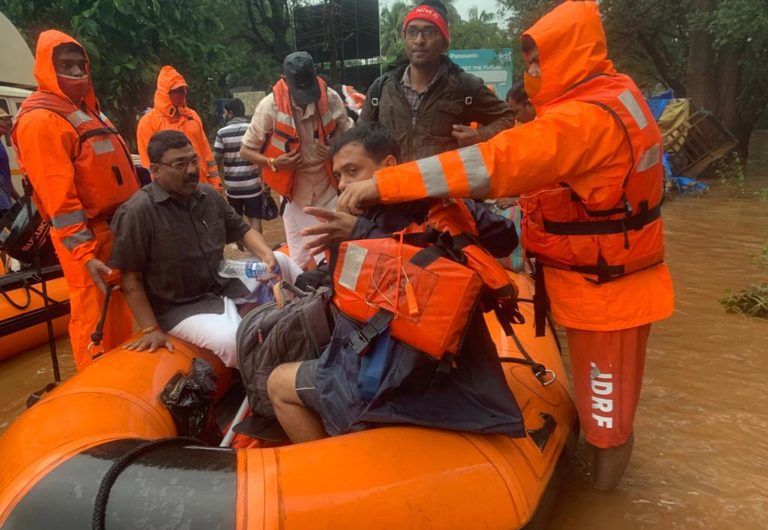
x: 714, y: 51
x: 128, y: 41
x: 730, y: 172
x: 752, y: 301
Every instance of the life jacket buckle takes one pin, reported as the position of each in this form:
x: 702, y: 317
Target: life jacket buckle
x: 546, y: 377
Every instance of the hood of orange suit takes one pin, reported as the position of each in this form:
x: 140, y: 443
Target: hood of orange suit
x: 45, y: 72
x: 572, y: 47
x: 168, y: 79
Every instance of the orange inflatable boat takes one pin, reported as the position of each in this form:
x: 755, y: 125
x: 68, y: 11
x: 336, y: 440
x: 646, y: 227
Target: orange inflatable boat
x: 22, y: 311
x: 56, y: 455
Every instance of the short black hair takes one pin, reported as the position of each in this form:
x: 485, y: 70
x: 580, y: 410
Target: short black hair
x: 517, y: 93
x: 163, y: 141
x: 235, y: 106
x: 377, y: 141
x: 68, y: 47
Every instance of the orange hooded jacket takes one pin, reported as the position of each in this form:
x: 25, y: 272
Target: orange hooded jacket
x: 79, y: 166
x: 165, y: 116
x: 571, y: 142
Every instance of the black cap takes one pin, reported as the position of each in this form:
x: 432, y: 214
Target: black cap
x: 301, y: 76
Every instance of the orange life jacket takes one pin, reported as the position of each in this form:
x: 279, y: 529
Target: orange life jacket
x: 104, y: 173
x: 285, y: 138
x: 623, y: 233
x: 442, y: 274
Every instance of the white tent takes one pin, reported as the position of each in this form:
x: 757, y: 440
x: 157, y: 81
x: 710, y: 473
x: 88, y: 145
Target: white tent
x: 16, y: 59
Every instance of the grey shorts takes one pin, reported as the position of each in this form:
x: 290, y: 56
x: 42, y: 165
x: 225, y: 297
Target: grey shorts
x: 306, y: 384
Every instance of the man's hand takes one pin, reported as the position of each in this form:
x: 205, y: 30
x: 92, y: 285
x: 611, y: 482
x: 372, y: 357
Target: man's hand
x: 289, y: 160
x: 270, y: 259
x: 334, y: 227
x: 357, y: 196
x: 506, y: 202
x: 322, y: 151
x: 98, y: 270
x: 465, y: 135
x: 151, y: 341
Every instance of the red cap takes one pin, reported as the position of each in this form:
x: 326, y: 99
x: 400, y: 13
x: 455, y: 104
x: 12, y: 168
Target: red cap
x: 424, y: 12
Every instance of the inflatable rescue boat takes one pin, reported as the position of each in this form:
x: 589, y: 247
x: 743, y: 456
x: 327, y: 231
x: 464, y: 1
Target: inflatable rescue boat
x: 22, y: 309
x: 101, y: 447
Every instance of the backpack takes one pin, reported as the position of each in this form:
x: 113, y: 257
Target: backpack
x: 467, y: 90
x: 277, y: 333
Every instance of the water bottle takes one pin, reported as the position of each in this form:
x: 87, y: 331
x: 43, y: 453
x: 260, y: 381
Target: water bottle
x: 247, y: 268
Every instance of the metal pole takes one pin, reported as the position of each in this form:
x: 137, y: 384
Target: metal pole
x: 44, y: 286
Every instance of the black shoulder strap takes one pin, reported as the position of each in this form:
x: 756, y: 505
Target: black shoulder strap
x: 467, y: 87
x: 374, y: 94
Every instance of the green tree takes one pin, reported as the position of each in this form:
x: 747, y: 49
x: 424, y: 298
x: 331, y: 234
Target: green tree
x: 128, y: 41
x: 712, y: 51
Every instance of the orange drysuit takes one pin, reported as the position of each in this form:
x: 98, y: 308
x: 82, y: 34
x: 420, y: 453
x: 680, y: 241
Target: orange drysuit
x: 165, y: 116
x: 589, y: 172
x: 81, y: 171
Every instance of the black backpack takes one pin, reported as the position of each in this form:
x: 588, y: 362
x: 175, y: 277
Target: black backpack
x: 274, y: 333
x: 466, y: 91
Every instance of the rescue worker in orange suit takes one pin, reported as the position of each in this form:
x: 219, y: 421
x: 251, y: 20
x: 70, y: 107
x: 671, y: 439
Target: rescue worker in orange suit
x: 589, y: 171
x: 81, y: 171
x: 171, y: 112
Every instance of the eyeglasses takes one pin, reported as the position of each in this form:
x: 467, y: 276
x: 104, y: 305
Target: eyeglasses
x: 182, y: 165
x: 429, y: 33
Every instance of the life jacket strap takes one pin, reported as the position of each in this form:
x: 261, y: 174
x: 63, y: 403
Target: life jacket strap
x: 616, y: 226
x: 360, y: 341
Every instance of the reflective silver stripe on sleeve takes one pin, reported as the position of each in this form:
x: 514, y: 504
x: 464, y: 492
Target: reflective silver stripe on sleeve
x: 477, y: 174
x: 631, y: 104
x: 68, y: 219
x: 78, y: 238
x: 103, y: 116
x: 353, y: 264
x: 103, y: 146
x: 285, y: 119
x: 433, y: 177
x: 77, y: 118
x: 650, y: 158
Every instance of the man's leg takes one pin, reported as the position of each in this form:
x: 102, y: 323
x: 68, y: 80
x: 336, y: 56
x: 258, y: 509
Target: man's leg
x: 252, y: 207
x: 213, y: 332
x: 607, y: 371
x: 285, y: 384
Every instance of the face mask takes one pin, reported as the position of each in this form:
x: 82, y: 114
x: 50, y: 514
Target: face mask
x: 178, y: 99
x: 75, y: 88
x: 532, y: 84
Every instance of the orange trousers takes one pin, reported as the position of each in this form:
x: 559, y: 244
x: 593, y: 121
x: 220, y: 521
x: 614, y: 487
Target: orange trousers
x: 86, y: 301
x: 607, y: 369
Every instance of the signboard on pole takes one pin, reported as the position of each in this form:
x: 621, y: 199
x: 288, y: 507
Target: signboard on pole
x: 492, y: 66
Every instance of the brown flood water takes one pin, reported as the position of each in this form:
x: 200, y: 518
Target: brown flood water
x: 701, y: 450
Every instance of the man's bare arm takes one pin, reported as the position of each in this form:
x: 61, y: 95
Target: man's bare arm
x: 153, y: 337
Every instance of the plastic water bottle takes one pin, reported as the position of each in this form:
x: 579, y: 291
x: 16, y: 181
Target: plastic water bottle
x: 248, y: 268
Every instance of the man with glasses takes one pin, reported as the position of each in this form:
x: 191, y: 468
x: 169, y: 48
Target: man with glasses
x: 169, y: 243
x: 429, y: 103
x: 81, y: 171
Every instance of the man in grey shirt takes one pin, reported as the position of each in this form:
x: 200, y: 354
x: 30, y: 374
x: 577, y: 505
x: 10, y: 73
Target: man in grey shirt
x: 169, y: 241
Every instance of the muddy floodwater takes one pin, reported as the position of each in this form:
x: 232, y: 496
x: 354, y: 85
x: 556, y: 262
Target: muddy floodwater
x: 701, y: 446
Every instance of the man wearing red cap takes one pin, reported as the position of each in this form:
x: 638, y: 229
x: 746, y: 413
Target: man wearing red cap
x: 429, y: 103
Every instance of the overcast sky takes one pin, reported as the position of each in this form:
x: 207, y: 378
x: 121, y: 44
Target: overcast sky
x: 482, y: 5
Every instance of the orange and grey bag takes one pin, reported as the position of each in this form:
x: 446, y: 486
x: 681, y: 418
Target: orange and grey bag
x: 423, y: 282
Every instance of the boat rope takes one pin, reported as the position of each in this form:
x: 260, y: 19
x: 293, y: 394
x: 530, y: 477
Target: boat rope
x: 544, y: 375
x: 98, y: 520
x: 21, y: 306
